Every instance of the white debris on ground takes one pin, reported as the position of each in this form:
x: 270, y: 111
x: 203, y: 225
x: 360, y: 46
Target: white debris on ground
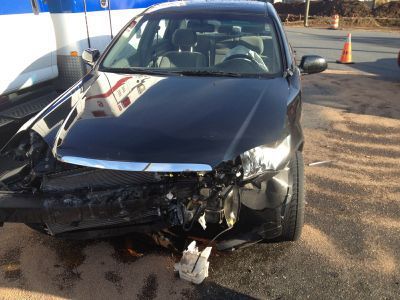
x: 194, y: 264
x: 320, y: 163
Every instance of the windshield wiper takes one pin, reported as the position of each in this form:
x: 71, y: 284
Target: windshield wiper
x: 208, y: 73
x: 134, y: 70
x: 137, y: 71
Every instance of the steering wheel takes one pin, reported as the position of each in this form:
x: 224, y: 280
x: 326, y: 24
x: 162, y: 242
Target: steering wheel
x: 242, y: 58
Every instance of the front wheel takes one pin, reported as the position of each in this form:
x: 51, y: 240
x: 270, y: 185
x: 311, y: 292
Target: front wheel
x: 37, y: 227
x: 294, y: 211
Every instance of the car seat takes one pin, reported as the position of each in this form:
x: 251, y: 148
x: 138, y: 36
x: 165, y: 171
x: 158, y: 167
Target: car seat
x: 184, y: 57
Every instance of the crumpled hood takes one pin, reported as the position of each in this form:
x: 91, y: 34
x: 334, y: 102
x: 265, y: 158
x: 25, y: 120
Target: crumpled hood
x: 176, y: 119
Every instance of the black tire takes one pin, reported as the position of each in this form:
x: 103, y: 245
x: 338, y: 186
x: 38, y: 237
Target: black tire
x: 294, y: 211
x: 37, y: 227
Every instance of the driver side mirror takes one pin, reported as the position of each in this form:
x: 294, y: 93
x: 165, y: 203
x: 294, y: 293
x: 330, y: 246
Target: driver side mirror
x: 311, y: 64
x: 90, y: 56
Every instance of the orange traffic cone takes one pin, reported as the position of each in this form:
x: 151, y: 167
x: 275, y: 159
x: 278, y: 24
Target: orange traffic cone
x: 346, y: 53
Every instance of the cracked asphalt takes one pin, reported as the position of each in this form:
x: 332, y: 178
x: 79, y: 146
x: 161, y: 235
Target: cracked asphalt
x: 350, y: 244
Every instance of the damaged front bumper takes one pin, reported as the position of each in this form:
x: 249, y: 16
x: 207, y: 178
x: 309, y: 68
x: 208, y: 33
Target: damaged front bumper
x: 63, y: 213
x: 71, y: 199
x: 154, y: 206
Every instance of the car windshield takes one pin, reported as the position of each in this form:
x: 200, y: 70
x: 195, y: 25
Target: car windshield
x: 197, y: 44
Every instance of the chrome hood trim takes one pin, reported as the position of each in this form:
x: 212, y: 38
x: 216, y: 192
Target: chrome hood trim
x: 135, y: 166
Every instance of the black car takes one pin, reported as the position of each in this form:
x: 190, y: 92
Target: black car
x: 189, y: 121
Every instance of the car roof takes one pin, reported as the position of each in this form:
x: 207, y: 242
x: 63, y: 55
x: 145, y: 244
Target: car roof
x: 215, y: 6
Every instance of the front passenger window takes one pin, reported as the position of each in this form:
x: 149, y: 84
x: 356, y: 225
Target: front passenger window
x: 160, y: 33
x: 135, y: 39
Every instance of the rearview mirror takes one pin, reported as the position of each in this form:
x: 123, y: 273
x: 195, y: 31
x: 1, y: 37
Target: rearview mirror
x: 90, y: 56
x: 311, y: 64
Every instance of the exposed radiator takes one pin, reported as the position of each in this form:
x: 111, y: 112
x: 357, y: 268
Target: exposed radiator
x: 86, y: 224
x: 95, y: 178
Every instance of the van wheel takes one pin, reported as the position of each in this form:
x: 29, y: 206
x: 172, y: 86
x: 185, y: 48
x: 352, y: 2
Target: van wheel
x: 294, y: 212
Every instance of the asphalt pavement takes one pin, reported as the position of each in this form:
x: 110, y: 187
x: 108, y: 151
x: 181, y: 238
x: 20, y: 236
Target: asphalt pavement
x: 373, y: 52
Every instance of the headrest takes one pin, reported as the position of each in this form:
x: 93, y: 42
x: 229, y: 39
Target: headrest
x: 225, y: 29
x: 184, y: 38
x: 254, y: 43
x: 256, y: 28
x: 198, y: 26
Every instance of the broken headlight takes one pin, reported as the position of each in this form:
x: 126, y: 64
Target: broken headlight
x: 265, y: 158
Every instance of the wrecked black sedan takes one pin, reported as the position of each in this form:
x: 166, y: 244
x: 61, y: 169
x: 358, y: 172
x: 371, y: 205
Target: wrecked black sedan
x: 189, y: 120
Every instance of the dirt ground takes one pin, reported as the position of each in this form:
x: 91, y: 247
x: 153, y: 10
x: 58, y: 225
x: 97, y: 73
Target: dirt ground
x: 353, y: 13
x: 350, y: 247
x: 349, y: 8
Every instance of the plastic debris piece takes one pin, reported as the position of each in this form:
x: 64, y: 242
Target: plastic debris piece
x: 202, y: 221
x: 320, y: 163
x: 194, y: 264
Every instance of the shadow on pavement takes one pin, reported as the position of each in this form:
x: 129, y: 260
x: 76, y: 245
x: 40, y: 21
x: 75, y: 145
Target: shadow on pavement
x: 354, y: 92
x: 211, y: 290
x: 384, y: 68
